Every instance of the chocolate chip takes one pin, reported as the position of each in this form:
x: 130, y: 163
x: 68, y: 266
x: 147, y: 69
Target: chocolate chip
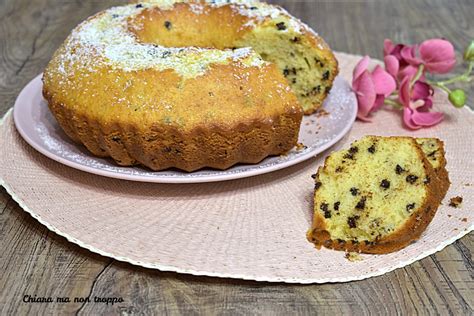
x: 307, y: 62
x: 316, y: 90
x: 427, y: 180
x: 361, y: 204
x: 139, y: 6
x: 168, y: 25
x: 351, y: 152
x: 317, y: 185
x: 339, y: 169
x: 411, y: 178
x: 314, y: 176
x: 325, y: 208
x: 431, y: 154
x: 293, y: 80
x: 336, y: 206
x: 410, y: 207
x: 116, y: 138
x: 352, y: 222
x: 354, y: 150
x: 281, y: 26
x: 341, y: 241
x: 165, y: 54
x: 115, y: 16
x: 296, y: 39
x: 354, y: 191
x: 253, y: 8
x: 371, y: 149
x: 318, y: 62
x: 399, y: 169
x: 326, y: 75
x: 385, y: 184
x: 286, y: 72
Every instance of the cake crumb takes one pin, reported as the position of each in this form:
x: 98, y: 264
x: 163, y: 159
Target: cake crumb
x: 301, y: 146
x: 464, y: 220
x: 353, y: 256
x: 321, y: 112
x: 467, y: 184
x: 455, y: 202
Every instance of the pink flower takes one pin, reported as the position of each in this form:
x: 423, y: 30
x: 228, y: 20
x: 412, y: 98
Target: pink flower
x: 437, y: 55
x: 417, y: 102
x: 399, y: 51
x: 396, y: 59
x: 371, y: 88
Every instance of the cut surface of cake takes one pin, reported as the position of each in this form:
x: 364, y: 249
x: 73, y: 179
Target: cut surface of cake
x: 378, y: 196
x: 433, y: 149
x: 300, y: 54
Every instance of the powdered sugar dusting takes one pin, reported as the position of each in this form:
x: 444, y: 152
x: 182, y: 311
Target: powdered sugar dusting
x: 105, y: 39
x: 107, y: 36
x: 257, y: 11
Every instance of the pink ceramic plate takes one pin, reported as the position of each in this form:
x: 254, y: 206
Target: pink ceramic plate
x: 39, y: 128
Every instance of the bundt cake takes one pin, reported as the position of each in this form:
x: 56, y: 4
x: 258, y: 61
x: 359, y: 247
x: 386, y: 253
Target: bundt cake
x: 188, y: 84
x: 378, y: 196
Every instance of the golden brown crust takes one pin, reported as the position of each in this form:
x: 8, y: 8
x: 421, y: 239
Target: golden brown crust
x: 442, y: 172
x: 402, y: 237
x: 161, y: 147
x: 241, y: 129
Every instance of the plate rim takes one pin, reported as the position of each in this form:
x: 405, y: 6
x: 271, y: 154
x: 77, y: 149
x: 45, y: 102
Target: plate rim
x: 30, y: 87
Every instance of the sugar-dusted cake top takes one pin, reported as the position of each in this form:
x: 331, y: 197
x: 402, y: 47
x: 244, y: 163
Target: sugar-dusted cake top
x: 106, y: 39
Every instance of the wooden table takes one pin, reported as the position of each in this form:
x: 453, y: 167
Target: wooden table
x: 35, y: 261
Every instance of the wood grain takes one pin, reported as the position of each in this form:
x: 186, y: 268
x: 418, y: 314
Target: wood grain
x: 35, y: 261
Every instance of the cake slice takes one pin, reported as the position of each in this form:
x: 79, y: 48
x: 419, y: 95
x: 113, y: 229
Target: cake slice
x: 378, y: 196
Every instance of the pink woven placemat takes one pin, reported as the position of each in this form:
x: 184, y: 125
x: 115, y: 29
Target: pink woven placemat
x: 252, y: 228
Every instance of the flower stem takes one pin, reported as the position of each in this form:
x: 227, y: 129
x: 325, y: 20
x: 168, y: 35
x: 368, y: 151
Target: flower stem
x: 418, y: 75
x: 465, y: 77
x: 393, y: 103
x: 394, y: 95
x: 440, y: 85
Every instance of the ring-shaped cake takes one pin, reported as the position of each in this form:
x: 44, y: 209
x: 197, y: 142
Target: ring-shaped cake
x: 188, y: 84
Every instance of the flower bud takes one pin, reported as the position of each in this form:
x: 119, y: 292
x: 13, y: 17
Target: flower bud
x: 469, y: 52
x: 457, y: 98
